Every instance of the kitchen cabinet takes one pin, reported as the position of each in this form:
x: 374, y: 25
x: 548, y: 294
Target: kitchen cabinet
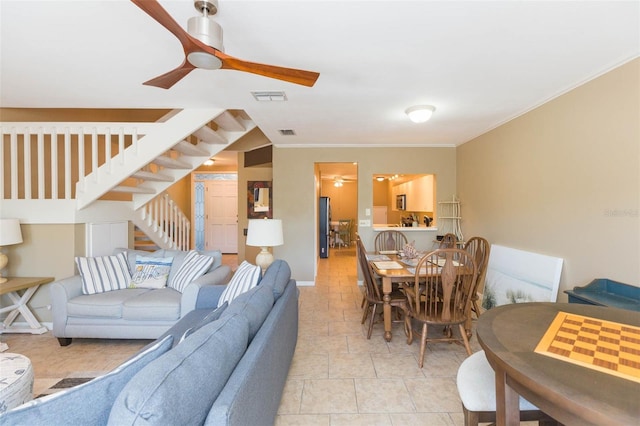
x: 419, y: 194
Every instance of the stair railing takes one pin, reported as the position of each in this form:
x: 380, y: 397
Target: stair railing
x: 165, y: 223
x: 46, y: 160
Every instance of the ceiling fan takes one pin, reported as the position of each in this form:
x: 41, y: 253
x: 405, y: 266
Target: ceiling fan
x: 202, y: 44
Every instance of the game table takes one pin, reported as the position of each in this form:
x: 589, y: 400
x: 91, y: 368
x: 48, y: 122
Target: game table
x: 572, y: 392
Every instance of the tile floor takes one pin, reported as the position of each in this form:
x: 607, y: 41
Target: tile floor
x: 337, y: 377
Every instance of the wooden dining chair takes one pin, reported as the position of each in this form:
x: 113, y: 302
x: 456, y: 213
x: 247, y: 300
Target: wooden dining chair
x: 448, y: 241
x: 479, y: 248
x: 344, y: 232
x: 441, y: 294
x: 390, y: 240
x: 373, y: 294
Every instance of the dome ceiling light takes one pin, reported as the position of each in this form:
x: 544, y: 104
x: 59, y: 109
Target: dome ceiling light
x: 420, y: 113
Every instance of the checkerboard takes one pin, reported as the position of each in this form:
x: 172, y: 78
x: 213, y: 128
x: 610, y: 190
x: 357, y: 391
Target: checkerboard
x: 606, y: 346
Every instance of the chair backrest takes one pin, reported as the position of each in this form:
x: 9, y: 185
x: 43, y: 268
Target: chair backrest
x: 443, y: 283
x: 448, y: 241
x: 479, y: 249
x: 390, y: 240
x: 372, y: 291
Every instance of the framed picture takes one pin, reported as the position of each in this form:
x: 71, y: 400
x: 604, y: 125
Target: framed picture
x: 259, y: 199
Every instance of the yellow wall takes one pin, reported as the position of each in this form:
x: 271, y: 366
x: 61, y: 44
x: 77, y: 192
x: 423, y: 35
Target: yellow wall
x: 563, y: 180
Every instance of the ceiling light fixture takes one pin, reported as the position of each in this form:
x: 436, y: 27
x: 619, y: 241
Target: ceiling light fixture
x: 420, y: 113
x: 337, y: 182
x: 380, y: 178
x: 209, y: 162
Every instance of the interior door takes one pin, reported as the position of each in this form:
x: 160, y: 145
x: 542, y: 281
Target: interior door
x: 221, y: 216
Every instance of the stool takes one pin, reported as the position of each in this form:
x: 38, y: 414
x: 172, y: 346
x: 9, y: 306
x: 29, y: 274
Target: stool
x: 16, y: 381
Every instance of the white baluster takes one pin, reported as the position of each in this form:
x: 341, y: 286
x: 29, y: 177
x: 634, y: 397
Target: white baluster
x: 14, y: 160
x: 26, y: 148
x: 54, y: 164
x: 41, y: 180
x: 67, y: 163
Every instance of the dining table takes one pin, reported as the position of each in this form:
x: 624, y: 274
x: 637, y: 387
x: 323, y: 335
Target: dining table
x: 394, y: 268
x: 580, y: 364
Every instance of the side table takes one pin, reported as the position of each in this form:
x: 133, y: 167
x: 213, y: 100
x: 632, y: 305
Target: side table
x: 19, y: 306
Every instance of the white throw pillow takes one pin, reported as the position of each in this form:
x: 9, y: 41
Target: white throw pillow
x: 245, y: 278
x: 151, y: 272
x: 193, y: 266
x: 104, y: 273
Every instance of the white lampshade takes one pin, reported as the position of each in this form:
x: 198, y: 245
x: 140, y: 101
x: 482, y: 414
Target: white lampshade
x: 265, y: 233
x: 420, y: 113
x: 10, y: 232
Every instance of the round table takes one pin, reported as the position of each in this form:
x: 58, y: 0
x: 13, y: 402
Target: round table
x: 16, y: 381
x: 570, y: 393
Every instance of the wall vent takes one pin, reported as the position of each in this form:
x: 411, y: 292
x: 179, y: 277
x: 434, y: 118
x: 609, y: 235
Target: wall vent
x: 287, y: 132
x: 269, y: 96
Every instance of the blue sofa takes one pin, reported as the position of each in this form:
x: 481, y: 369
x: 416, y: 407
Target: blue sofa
x: 216, y: 366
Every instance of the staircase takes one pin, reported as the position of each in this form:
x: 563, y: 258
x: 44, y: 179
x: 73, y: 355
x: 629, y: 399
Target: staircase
x: 85, y: 172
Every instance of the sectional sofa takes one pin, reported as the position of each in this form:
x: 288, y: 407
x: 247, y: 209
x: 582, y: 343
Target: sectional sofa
x: 216, y: 366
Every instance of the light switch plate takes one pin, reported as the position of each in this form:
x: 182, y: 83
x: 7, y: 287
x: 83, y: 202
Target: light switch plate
x: 364, y: 222
x: 367, y: 212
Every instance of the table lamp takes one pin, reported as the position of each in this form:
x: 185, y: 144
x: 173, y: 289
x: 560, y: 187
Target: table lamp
x: 264, y: 233
x: 9, y: 234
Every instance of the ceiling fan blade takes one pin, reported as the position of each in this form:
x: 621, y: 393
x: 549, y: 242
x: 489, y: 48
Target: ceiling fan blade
x: 170, y: 78
x: 157, y: 12
x: 305, y: 78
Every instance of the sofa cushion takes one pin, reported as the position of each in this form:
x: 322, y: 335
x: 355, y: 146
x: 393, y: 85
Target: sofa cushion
x: 180, y: 387
x: 103, y: 305
x: 245, y: 278
x: 150, y: 272
x: 210, y: 317
x: 277, y: 276
x: 194, y: 266
x: 162, y: 304
x: 86, y: 404
x: 103, y: 273
x: 255, y: 305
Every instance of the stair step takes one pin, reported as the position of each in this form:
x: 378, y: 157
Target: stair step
x: 208, y: 135
x: 190, y: 149
x: 229, y: 122
x: 150, y: 176
x: 133, y: 189
x: 170, y: 163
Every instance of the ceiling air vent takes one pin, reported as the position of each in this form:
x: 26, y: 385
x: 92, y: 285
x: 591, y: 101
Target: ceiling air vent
x: 269, y: 96
x: 287, y: 132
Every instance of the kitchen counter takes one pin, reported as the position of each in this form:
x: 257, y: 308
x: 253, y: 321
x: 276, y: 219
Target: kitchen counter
x: 394, y: 227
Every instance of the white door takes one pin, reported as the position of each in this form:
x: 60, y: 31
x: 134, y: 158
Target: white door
x: 221, y: 216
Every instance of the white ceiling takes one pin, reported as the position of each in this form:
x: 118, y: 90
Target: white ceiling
x: 480, y: 63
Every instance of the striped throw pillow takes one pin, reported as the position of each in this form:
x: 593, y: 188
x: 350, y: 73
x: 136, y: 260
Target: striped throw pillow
x: 245, y: 278
x: 104, y: 273
x: 193, y: 266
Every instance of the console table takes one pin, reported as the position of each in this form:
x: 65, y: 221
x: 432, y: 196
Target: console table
x: 11, y: 288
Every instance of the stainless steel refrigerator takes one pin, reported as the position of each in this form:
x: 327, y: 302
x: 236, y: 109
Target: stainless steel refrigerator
x: 324, y: 220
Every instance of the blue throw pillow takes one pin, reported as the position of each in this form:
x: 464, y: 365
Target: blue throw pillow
x: 87, y: 404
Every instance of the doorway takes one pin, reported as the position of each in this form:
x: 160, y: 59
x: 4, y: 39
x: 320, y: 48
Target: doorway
x: 339, y: 183
x: 216, y: 211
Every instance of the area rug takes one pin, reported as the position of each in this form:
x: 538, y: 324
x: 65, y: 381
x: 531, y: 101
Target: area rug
x: 65, y: 383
